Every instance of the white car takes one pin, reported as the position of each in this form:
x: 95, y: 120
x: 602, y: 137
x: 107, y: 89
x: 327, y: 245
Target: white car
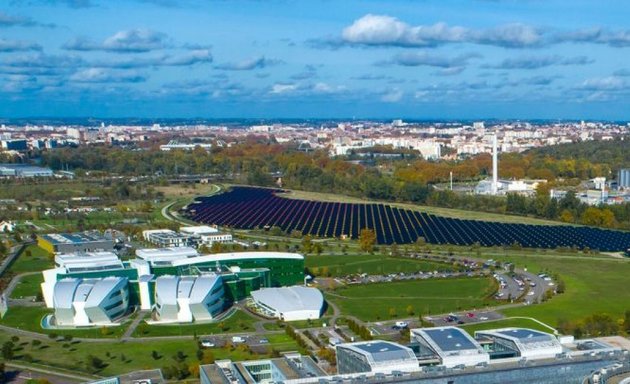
x: 531, y: 293
x: 207, y: 344
x: 483, y: 318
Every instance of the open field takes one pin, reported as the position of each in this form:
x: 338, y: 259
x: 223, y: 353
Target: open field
x: 372, y: 302
x: 342, y: 265
x: 592, y: 286
x: 239, y: 321
x: 188, y: 191
x: 446, y: 212
x: 137, y: 354
x: 32, y: 259
x: 505, y: 323
x: 28, y: 286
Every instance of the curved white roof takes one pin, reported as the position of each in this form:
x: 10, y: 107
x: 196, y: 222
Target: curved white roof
x: 525, y: 339
x: 288, y: 299
x: 103, y: 288
x: 166, y: 254
x: 64, y: 292
x: 196, y: 288
x: 90, y: 291
x: 237, y: 256
x: 88, y: 261
x: 381, y: 352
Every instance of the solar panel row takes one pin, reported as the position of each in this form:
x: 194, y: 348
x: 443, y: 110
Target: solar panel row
x: 250, y: 207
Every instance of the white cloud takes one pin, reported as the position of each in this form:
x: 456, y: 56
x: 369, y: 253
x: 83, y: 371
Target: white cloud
x: 280, y: 88
x: 392, y: 95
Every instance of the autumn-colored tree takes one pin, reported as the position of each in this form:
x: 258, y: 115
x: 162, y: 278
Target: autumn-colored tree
x: 367, y: 240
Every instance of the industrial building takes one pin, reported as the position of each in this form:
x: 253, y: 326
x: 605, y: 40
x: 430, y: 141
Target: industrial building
x: 289, y: 303
x: 188, y: 298
x: 623, y: 178
x: 167, y: 238
x: 156, y: 279
x: 165, y: 256
x: 574, y: 366
x: 376, y: 357
x: 88, y: 261
x: 451, y: 345
x: 74, y: 242
x: 85, y: 302
x: 526, y: 343
x: 291, y: 366
x: 24, y: 171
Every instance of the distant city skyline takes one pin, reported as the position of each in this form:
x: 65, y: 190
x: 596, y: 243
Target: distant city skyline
x: 422, y: 59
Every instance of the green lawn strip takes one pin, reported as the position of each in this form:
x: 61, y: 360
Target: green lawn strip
x: 29, y: 319
x: 382, y: 301
x: 592, y: 286
x: 38, y: 260
x: 137, y: 354
x: 237, y: 322
x: 28, y: 286
x: 339, y: 265
x: 505, y: 323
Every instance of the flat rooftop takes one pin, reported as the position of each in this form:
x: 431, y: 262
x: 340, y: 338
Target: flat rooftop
x: 73, y: 238
x: 450, y: 339
x: 382, y: 351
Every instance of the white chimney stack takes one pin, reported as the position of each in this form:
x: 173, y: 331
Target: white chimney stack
x: 495, y: 166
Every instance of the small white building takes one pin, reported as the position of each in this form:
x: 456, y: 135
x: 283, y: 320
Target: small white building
x: 189, y: 298
x: 7, y: 226
x: 85, y: 302
x: 375, y: 356
x: 290, y: 303
x: 167, y: 238
x: 206, y: 235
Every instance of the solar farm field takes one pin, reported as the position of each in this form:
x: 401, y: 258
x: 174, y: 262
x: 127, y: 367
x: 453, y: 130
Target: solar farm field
x: 257, y: 208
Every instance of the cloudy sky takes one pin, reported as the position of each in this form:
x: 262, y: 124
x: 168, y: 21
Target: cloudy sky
x: 315, y: 58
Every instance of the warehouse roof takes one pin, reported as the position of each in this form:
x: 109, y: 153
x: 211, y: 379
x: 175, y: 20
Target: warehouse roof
x: 237, y: 256
x: 288, y: 299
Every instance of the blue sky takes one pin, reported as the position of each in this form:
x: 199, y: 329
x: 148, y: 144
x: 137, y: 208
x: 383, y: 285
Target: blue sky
x: 315, y: 59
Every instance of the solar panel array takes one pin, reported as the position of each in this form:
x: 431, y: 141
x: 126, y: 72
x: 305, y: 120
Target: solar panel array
x: 251, y: 207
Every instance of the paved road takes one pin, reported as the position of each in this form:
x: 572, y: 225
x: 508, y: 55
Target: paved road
x: 19, y: 373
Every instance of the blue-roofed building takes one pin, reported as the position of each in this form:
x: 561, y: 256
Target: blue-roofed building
x: 451, y: 345
x: 375, y: 356
x: 527, y: 343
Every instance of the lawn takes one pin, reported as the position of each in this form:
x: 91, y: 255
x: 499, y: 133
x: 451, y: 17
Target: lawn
x: 341, y: 265
x: 33, y: 258
x: 29, y: 319
x: 505, y: 323
x: 28, y: 286
x: 137, y: 354
x: 371, y: 302
x: 592, y: 286
x: 237, y: 322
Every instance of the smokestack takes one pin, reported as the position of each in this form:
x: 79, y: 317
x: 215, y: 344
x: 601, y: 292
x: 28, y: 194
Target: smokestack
x: 495, y: 166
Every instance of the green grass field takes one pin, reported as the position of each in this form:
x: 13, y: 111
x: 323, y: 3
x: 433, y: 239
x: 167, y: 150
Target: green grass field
x: 237, y: 322
x: 592, y: 286
x: 137, y: 354
x: 505, y: 323
x: 382, y: 301
x: 341, y: 265
x: 38, y: 260
x: 28, y: 286
x: 29, y: 319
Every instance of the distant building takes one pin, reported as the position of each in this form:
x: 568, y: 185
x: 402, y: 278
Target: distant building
x: 7, y: 226
x: 167, y: 238
x: 623, y: 178
x: 24, y: 171
x: 88, y: 261
x: 526, y: 343
x: 74, y: 242
x: 165, y: 256
x: 375, y: 356
x: 206, y: 235
x: 14, y: 145
x: 173, y: 145
x: 79, y: 302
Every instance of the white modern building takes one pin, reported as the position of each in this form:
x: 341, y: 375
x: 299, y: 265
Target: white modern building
x: 527, y: 343
x: 165, y: 256
x: 451, y: 345
x: 85, y: 302
x: 167, y: 238
x: 199, y: 230
x: 375, y: 356
x: 206, y: 235
x: 88, y: 261
x: 289, y: 303
x: 189, y: 298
